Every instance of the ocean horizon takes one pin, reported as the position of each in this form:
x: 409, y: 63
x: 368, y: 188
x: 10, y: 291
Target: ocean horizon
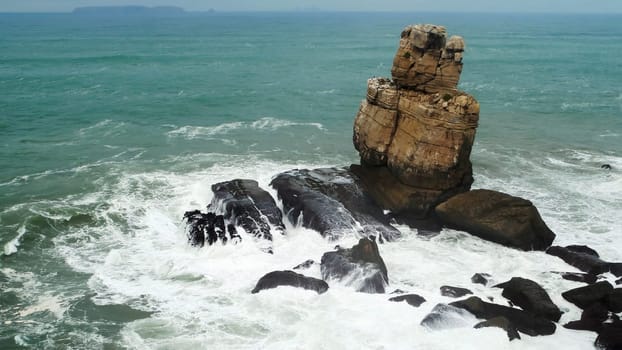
x: 112, y: 127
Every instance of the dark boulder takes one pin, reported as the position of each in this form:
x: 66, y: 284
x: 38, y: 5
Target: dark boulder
x: 524, y: 321
x: 290, y: 278
x: 583, y: 297
x: 445, y: 316
x: 412, y: 299
x: 360, y: 266
x: 531, y: 297
x: 503, y: 323
x: 615, y: 269
x: 582, y: 259
x: 614, y: 300
x: 592, y: 318
x: 610, y: 337
x: 579, y: 277
x: 583, y: 249
x: 332, y: 202
x: 497, y: 217
x: 454, y: 292
x: 481, y: 278
x: 245, y: 204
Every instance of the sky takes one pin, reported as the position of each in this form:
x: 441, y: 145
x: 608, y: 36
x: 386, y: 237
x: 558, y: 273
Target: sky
x: 574, y: 6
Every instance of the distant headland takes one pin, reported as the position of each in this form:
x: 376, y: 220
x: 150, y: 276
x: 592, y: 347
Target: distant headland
x: 129, y: 10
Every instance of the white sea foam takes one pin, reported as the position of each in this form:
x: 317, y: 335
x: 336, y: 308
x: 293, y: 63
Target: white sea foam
x: 12, y: 246
x: 201, y: 297
x: 207, y: 132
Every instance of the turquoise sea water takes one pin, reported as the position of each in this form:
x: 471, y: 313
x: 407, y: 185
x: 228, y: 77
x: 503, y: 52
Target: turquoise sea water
x: 112, y: 127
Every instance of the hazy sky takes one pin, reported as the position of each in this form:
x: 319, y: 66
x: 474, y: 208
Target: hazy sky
x: 581, y: 6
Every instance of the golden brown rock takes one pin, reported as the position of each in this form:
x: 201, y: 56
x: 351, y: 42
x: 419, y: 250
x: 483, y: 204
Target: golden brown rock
x: 432, y: 143
x: 426, y: 60
x: 418, y: 128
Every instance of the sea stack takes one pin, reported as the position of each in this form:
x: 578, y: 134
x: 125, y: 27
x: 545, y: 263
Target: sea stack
x: 414, y: 132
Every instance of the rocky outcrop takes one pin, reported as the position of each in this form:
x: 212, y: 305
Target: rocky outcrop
x: 523, y: 321
x: 497, y: 217
x: 585, y: 259
x: 531, y: 297
x: 360, y: 266
x: 426, y: 60
x: 332, y: 202
x: 418, y: 128
x: 244, y: 204
x: 586, y: 296
x: 289, y: 278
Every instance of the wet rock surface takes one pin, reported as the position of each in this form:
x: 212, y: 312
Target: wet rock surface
x: 332, y: 202
x: 581, y: 257
x: 360, y: 266
x: 289, y: 278
x: 454, y: 292
x: 531, y: 297
x: 412, y: 299
x: 524, y: 321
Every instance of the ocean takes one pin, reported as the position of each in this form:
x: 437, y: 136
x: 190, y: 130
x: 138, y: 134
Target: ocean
x: 112, y: 127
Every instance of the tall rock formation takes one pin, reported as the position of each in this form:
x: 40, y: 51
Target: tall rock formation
x: 414, y: 133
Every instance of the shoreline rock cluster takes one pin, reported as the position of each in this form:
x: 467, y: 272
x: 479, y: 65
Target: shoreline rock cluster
x: 414, y: 134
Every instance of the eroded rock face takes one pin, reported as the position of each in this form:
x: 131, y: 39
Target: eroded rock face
x: 426, y: 60
x: 497, y: 217
x: 360, y: 266
x: 418, y: 126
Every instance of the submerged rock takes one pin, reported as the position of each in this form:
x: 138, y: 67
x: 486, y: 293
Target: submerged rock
x: 445, y: 316
x: 503, y: 323
x: 481, y: 278
x: 360, y: 266
x: 289, y: 278
x: 454, y: 292
x: 524, y: 321
x: 412, y: 299
x: 531, y: 297
x: 332, y: 202
x: 497, y: 217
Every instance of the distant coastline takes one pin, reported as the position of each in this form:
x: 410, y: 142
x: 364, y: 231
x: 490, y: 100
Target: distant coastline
x: 129, y: 10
